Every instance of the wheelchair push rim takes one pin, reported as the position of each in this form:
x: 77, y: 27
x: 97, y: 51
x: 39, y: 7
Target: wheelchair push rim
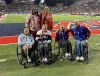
x: 19, y: 55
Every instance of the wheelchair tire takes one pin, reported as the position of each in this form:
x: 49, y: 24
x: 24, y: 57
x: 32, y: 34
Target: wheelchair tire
x: 86, y: 53
x: 19, y: 55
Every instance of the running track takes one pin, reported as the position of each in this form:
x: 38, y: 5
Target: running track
x: 9, y: 32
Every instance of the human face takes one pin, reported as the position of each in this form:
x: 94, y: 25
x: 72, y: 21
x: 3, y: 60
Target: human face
x: 44, y: 28
x: 34, y: 11
x: 76, y: 24
x: 46, y: 9
x: 26, y: 30
x: 61, y: 27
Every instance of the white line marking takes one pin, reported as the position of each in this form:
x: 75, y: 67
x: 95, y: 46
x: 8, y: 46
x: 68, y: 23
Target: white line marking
x: 8, y: 44
x: 68, y: 25
x: 97, y: 44
x: 9, y: 36
x: 57, y: 24
x: 2, y: 60
x: 21, y: 15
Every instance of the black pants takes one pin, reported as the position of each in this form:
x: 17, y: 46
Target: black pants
x: 45, y: 50
x: 65, y: 44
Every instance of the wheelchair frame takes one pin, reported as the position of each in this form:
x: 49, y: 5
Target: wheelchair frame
x: 63, y: 50
x: 45, y: 50
x: 86, y: 49
x: 21, y: 56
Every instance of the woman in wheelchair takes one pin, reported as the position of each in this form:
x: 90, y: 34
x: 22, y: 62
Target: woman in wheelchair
x: 81, y: 35
x: 44, y: 43
x: 26, y: 41
x: 63, y: 42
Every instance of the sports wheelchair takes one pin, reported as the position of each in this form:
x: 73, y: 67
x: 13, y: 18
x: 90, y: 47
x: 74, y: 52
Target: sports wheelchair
x: 86, y: 50
x: 62, y: 50
x: 22, y: 58
x: 45, y: 52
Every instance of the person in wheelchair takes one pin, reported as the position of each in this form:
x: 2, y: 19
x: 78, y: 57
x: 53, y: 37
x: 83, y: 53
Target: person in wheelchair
x: 81, y: 35
x: 62, y: 40
x: 26, y: 41
x: 44, y: 43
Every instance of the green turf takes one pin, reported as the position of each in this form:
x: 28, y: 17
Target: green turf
x: 20, y: 18
x: 66, y: 68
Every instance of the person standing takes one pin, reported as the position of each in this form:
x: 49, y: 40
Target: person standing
x: 46, y: 18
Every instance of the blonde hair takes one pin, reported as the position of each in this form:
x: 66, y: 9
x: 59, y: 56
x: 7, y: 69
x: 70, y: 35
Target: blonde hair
x: 46, y: 7
x: 44, y: 25
x: 61, y: 25
x: 26, y: 28
x: 76, y: 20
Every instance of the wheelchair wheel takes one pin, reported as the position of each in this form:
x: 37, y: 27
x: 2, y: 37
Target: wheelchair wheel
x: 86, y: 53
x: 75, y: 52
x: 19, y: 55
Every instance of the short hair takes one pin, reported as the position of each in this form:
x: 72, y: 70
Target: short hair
x: 34, y: 7
x: 76, y: 20
x: 61, y: 25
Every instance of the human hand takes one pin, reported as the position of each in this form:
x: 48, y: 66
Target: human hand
x: 86, y: 41
x: 49, y: 41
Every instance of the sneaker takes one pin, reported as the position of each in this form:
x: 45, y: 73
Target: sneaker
x: 66, y: 54
x: 82, y: 58
x: 45, y: 60
x: 77, y: 58
x: 29, y: 60
x: 62, y: 59
x: 69, y: 54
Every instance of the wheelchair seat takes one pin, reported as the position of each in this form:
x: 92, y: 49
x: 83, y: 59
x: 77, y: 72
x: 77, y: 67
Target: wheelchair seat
x: 21, y: 56
x: 86, y: 49
x: 45, y: 51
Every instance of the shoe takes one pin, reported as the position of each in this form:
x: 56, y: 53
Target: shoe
x: 69, y: 54
x: 82, y: 58
x: 62, y: 59
x: 77, y: 58
x: 45, y: 60
x: 66, y: 54
x: 29, y: 60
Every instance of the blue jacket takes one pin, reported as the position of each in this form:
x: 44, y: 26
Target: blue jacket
x: 26, y: 39
x: 81, y: 33
x: 61, y: 35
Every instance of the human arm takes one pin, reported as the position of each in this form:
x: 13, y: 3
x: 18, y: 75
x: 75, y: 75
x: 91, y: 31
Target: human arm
x: 27, y: 20
x: 87, y: 31
x: 20, y: 41
x: 32, y: 41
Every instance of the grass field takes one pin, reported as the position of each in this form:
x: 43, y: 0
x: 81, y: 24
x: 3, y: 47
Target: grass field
x: 67, y: 68
x: 20, y: 18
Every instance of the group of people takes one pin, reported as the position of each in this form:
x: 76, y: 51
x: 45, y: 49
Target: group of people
x: 80, y: 34
x: 37, y: 33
